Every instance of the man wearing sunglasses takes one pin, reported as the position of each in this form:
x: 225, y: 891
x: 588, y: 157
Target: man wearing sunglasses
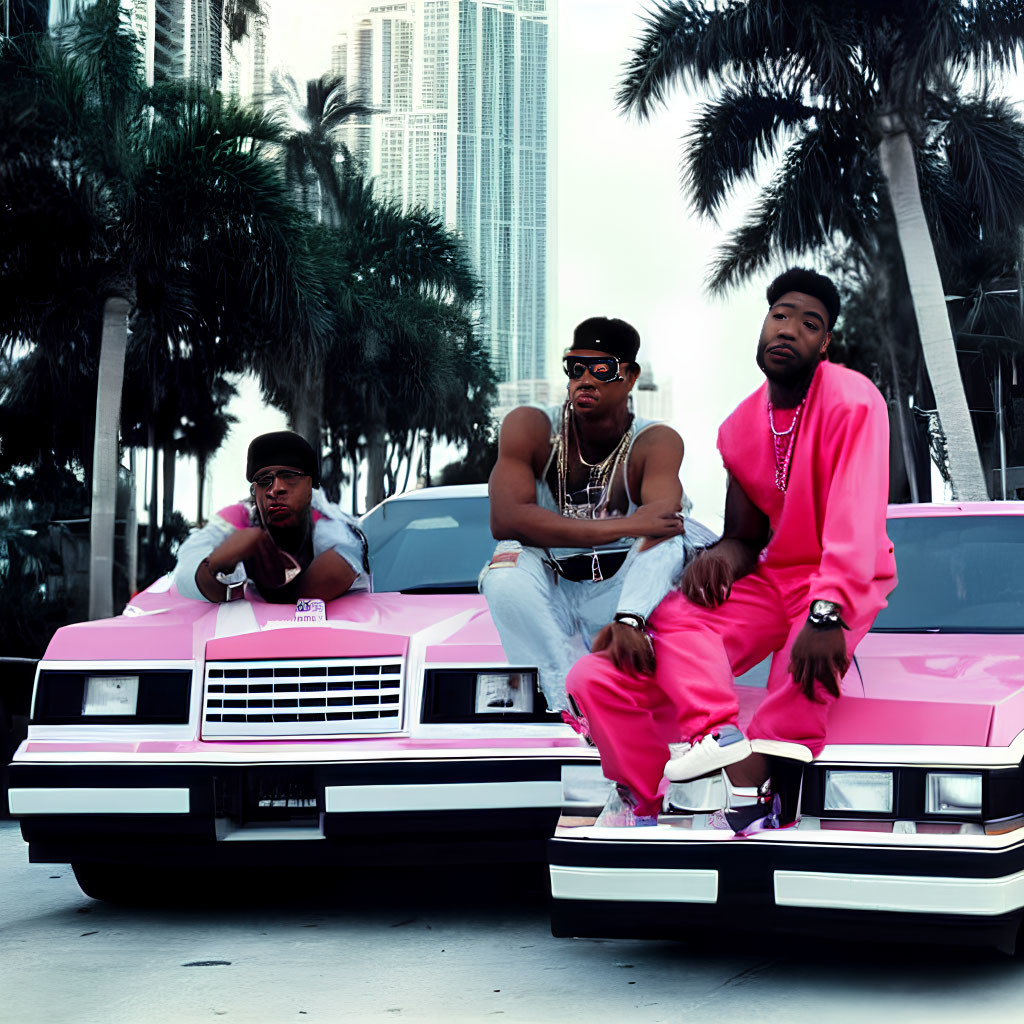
x: 289, y: 542
x: 585, y: 502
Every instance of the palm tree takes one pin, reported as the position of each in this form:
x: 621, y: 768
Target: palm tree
x: 312, y: 152
x: 845, y: 95
x: 405, y: 290
x: 314, y: 148
x: 399, y: 288
x: 167, y: 193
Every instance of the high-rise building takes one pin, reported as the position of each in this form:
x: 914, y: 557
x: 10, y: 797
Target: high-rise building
x: 339, y: 56
x: 465, y: 88
x: 245, y: 65
x: 180, y: 39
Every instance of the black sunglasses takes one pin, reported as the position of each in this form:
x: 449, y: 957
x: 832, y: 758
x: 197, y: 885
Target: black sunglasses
x: 266, y: 480
x: 605, y: 370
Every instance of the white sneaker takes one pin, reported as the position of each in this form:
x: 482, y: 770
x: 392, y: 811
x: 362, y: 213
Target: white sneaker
x: 716, y: 750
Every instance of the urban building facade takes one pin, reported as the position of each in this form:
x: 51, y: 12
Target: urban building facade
x: 181, y: 39
x: 465, y: 88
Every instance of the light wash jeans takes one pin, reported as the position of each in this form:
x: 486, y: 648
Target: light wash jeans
x: 550, y: 623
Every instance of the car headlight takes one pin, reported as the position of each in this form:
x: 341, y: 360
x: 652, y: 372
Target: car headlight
x: 952, y: 793
x: 97, y: 697
x: 110, y: 695
x: 859, y: 791
x: 475, y: 695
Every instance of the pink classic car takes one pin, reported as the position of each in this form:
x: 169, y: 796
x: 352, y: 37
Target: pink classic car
x: 913, y: 815
x: 188, y: 734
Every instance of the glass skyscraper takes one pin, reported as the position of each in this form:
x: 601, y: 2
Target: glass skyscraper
x: 464, y: 89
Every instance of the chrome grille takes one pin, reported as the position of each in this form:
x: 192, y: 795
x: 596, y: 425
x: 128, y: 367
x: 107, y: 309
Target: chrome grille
x: 270, y: 699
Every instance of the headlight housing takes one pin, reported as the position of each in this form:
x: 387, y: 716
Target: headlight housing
x: 112, y: 697
x: 482, y: 695
x: 862, y: 792
x: 952, y: 794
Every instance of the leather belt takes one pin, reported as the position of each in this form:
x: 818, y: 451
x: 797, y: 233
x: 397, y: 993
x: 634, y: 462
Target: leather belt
x: 589, y: 567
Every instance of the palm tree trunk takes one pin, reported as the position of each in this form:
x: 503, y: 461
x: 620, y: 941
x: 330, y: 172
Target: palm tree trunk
x: 307, y: 409
x: 131, y: 528
x: 428, y: 444
x: 168, y: 495
x: 113, y: 344
x: 897, y: 159
x: 154, y: 495
x: 200, y: 488
x: 374, y: 464
x: 410, y: 460
x: 900, y: 404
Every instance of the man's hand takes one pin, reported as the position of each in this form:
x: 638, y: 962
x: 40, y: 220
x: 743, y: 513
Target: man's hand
x: 266, y: 562
x: 708, y: 579
x: 628, y: 648
x: 657, y: 519
x: 819, y: 655
x: 253, y: 545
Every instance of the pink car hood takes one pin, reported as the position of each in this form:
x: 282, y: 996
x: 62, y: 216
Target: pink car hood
x: 167, y: 627
x: 946, y: 689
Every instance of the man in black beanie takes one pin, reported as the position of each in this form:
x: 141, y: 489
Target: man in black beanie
x: 288, y: 542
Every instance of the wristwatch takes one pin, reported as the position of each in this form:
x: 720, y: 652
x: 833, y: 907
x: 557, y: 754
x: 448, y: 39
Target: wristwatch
x: 825, y: 615
x: 234, y: 581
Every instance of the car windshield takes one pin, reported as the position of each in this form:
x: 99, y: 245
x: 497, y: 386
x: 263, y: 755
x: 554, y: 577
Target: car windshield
x: 428, y: 543
x: 957, y: 574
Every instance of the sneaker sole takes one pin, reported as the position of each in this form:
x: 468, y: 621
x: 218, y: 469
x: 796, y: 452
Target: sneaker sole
x: 680, y: 770
x: 782, y: 748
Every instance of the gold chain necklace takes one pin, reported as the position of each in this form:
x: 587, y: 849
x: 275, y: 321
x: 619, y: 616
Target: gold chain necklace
x: 601, y: 474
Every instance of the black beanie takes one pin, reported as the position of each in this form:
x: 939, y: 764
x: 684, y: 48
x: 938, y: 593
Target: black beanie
x: 615, y: 337
x: 282, y: 448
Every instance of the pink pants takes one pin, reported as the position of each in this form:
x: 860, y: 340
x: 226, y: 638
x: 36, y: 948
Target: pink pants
x: 698, y: 652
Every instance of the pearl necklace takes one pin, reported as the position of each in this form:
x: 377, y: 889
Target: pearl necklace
x: 783, y: 449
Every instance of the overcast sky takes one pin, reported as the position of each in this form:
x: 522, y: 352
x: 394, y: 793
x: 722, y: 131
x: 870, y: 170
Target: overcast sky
x: 625, y: 244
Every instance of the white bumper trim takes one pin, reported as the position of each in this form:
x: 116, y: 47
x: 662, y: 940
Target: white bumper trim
x: 97, y: 801
x: 918, y: 894
x: 653, y: 885
x: 445, y: 796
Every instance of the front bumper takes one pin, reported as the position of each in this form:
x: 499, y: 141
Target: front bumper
x: 666, y: 882
x: 297, y: 813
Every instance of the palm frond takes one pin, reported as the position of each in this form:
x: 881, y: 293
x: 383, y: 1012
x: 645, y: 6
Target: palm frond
x: 794, y: 215
x: 984, y: 144
x: 666, y: 50
x: 728, y: 138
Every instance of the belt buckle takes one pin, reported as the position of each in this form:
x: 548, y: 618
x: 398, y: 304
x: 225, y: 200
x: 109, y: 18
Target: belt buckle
x: 595, y: 569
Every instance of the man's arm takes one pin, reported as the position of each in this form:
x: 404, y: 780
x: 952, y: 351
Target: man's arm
x: 853, y: 531
x: 328, y: 576
x: 193, y: 553
x: 251, y: 544
x: 852, y: 534
x: 709, y: 577
x: 515, y: 514
x: 652, y: 567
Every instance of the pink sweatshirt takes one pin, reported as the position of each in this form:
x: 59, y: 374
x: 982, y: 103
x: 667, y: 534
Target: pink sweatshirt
x: 831, y: 519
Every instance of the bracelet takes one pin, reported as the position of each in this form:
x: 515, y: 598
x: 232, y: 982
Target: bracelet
x: 634, y: 619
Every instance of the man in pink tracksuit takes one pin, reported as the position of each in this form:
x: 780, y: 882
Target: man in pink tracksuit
x: 803, y: 567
